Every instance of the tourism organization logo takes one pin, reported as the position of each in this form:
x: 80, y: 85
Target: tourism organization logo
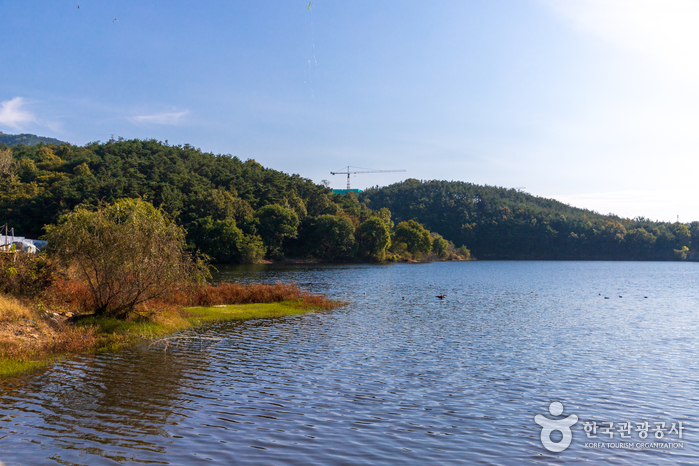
x: 663, y: 435
x: 549, y: 426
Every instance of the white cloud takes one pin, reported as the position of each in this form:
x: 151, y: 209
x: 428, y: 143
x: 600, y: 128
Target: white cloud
x: 13, y: 115
x: 160, y: 118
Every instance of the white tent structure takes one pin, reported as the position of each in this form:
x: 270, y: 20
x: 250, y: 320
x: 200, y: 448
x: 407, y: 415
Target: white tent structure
x: 6, y: 242
x: 21, y: 244
x: 29, y: 247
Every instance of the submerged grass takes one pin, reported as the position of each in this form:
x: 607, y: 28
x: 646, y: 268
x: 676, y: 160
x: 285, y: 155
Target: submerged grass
x: 199, y: 315
x: 33, y: 338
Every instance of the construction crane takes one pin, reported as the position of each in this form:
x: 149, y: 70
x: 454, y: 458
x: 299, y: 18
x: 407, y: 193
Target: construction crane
x: 363, y: 170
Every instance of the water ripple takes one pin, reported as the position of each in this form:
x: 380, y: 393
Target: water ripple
x: 387, y: 380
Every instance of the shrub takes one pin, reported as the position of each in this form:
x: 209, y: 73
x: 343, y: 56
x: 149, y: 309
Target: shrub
x: 23, y: 274
x: 464, y: 252
x: 128, y: 253
x: 440, y: 246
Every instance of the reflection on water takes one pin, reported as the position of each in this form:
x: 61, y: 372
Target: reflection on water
x: 397, y: 376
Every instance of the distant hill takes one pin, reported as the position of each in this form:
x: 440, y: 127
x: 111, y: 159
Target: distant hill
x: 500, y: 223
x: 26, y: 139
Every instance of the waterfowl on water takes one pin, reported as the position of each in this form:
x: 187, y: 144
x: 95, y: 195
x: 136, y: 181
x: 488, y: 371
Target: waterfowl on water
x: 441, y: 296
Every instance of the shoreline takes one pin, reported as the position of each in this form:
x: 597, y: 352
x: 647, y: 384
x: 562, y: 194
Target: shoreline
x: 294, y: 261
x: 36, y: 346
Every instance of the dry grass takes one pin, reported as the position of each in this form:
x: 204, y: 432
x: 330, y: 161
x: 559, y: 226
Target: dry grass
x: 12, y: 310
x: 235, y: 293
x: 73, y: 297
x: 30, y: 338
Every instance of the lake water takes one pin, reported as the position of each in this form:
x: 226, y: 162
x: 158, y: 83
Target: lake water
x: 387, y: 380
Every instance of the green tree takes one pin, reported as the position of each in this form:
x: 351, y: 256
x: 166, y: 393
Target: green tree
x: 276, y: 223
x: 400, y: 250
x: 464, y: 252
x: 224, y: 242
x: 373, y: 238
x: 330, y: 237
x: 694, y: 231
x: 295, y: 203
x: 415, y: 237
x: 683, y: 236
x: 640, y: 243
x: 219, y: 204
x: 440, y: 246
x: 252, y: 249
x: 128, y: 253
x: 385, y: 215
x: 665, y: 242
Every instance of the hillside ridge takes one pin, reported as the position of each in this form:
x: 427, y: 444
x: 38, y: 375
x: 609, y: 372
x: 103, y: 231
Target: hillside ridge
x: 26, y: 139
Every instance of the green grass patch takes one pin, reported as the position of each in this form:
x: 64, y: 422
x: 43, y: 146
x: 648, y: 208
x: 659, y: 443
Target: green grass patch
x: 111, y: 328
x: 9, y: 367
x: 201, y: 315
x: 96, y: 334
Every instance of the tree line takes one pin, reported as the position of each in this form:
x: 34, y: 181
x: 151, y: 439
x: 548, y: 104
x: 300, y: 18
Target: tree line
x: 233, y: 211
x: 500, y: 223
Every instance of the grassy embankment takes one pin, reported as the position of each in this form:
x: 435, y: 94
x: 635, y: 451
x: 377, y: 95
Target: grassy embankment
x: 32, y: 336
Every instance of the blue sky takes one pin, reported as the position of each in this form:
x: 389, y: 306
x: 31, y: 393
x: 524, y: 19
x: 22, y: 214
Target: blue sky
x: 592, y: 102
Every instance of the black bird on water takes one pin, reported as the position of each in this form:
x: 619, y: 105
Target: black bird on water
x: 441, y: 296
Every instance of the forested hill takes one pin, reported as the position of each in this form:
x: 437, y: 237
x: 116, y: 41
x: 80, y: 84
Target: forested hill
x: 26, y: 139
x: 240, y: 211
x: 233, y: 210
x: 499, y: 223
